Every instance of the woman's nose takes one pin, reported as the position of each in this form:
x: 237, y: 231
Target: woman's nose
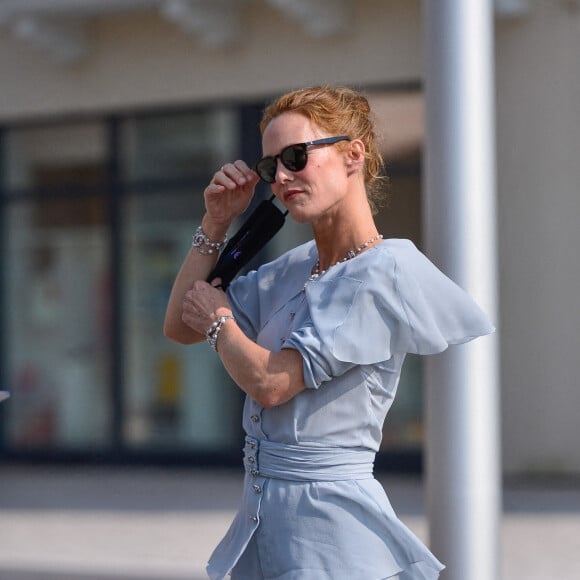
x: 282, y: 174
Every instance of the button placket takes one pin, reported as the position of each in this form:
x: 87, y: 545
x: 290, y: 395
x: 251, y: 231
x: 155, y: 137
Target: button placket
x: 255, y: 492
x: 253, y: 419
x: 250, y: 455
x: 254, y: 485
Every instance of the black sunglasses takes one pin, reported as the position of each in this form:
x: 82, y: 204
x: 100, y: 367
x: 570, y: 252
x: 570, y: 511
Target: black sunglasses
x: 293, y: 157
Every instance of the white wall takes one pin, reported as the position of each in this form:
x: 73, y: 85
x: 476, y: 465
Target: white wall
x: 538, y: 110
x: 142, y: 60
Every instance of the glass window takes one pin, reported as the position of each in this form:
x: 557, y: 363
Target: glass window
x: 175, y: 395
x: 404, y: 429
x: 55, y: 155
x: 400, y: 116
x: 179, y: 145
x: 57, y: 292
x: 58, y: 282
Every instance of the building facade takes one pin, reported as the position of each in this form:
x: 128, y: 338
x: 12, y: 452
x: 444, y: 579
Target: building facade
x: 113, y: 116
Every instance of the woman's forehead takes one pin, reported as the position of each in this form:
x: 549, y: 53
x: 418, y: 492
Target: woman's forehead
x: 287, y: 129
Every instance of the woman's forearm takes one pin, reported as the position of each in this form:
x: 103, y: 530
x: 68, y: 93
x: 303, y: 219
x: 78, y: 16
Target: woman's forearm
x: 270, y: 378
x: 196, y: 266
x: 226, y: 197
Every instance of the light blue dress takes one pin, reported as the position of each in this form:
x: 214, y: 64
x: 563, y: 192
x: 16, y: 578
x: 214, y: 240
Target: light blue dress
x: 311, y: 509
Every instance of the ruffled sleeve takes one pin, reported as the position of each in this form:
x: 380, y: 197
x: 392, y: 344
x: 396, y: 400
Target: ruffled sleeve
x: 390, y: 300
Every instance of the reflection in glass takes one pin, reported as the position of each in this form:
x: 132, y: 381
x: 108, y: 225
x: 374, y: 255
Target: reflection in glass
x: 179, y: 145
x: 58, y: 281
x: 404, y: 427
x: 55, y: 155
x: 176, y: 396
x: 57, y: 324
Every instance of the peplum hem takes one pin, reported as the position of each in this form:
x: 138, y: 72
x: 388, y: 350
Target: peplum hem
x: 289, y: 528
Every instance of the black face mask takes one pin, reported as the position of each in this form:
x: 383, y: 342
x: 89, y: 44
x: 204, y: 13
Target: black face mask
x: 260, y: 227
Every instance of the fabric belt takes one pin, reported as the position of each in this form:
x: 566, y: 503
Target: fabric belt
x: 306, y: 462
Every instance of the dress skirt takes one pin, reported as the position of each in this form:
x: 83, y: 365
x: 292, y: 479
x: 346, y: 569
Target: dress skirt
x: 316, y: 513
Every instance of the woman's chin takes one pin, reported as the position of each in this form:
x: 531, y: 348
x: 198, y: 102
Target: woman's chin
x: 298, y: 214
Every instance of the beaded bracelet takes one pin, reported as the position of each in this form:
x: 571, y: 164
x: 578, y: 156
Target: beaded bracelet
x: 213, y: 331
x: 200, y: 240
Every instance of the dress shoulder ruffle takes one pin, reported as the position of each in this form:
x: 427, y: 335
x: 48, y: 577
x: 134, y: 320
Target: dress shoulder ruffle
x: 391, y: 299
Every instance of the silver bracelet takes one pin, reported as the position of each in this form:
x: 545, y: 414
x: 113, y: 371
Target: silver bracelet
x: 213, y: 331
x: 200, y: 240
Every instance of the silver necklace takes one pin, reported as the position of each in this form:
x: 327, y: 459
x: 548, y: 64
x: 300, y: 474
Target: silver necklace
x: 316, y: 272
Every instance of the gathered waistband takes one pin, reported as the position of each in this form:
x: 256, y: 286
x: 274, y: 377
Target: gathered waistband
x: 306, y: 462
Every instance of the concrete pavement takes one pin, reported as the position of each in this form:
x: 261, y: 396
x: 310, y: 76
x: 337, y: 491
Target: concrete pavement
x: 151, y: 524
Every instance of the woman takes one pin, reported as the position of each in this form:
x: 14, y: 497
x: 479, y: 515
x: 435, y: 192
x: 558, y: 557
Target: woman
x: 317, y: 339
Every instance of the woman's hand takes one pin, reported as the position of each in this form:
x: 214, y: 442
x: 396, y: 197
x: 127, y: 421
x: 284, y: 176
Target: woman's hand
x: 270, y: 378
x: 229, y: 193
x: 203, y: 305
x: 226, y: 197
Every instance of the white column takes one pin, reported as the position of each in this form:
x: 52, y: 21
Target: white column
x: 462, y: 402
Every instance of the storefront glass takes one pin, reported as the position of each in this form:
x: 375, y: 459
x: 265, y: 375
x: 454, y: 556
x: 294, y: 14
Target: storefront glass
x: 175, y: 146
x: 56, y: 289
x: 175, y: 396
x: 97, y: 219
x: 55, y: 156
x: 56, y: 324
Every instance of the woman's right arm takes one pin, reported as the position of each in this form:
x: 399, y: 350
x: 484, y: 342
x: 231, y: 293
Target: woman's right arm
x: 196, y: 266
x: 226, y: 197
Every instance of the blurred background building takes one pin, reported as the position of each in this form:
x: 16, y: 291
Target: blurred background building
x: 113, y: 116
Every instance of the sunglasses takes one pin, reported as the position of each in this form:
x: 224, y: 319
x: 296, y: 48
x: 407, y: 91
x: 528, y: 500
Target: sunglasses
x: 293, y: 157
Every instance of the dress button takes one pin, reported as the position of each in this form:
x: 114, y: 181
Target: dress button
x: 254, y: 473
x: 257, y: 488
x: 251, y: 459
x: 254, y: 518
x: 255, y: 418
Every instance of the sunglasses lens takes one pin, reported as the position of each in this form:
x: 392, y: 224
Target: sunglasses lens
x: 266, y: 169
x: 294, y: 157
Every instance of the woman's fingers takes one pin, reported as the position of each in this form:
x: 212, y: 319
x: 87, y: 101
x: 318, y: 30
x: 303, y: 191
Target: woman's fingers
x: 230, y: 190
x: 233, y: 174
x: 237, y: 174
x: 201, y: 303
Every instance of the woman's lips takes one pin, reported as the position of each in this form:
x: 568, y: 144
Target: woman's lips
x: 291, y: 194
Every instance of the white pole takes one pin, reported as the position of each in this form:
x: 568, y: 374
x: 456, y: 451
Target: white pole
x: 462, y: 390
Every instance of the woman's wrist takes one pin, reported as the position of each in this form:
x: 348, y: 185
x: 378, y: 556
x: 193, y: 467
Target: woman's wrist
x: 215, y: 231
x: 212, y: 333
x: 205, y: 245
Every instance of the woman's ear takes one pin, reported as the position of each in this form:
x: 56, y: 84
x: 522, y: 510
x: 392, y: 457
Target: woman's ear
x: 355, y: 154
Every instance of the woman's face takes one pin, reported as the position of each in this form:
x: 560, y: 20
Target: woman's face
x: 317, y: 190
